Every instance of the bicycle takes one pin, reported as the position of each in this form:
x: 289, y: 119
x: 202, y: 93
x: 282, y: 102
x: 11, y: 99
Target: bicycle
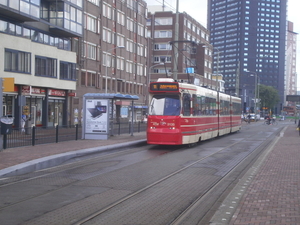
x: 270, y: 122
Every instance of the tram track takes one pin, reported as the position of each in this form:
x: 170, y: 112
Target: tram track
x: 178, y: 220
x: 53, y: 171
x: 194, y: 205
x: 64, y: 168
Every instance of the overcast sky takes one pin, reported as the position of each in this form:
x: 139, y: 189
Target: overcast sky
x: 198, y: 10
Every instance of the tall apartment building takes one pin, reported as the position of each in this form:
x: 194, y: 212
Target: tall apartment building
x: 291, y: 48
x: 250, y: 35
x: 194, y: 58
x: 112, y: 55
x: 35, y: 50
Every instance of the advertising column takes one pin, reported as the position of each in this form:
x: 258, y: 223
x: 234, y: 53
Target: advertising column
x: 96, y: 119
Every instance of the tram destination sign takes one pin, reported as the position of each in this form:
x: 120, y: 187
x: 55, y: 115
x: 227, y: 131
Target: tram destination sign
x: 164, y: 86
x: 293, y: 98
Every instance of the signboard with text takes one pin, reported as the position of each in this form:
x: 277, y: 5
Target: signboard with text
x: 96, y: 116
x: 293, y: 98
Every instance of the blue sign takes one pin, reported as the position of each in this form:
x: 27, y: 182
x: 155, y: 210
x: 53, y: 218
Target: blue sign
x: 189, y: 70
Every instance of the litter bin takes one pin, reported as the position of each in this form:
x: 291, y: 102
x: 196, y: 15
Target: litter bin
x: 6, y: 124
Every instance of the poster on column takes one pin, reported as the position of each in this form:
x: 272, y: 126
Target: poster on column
x: 96, y: 116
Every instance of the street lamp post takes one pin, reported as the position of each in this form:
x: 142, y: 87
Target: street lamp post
x: 256, y: 94
x: 106, y: 55
x: 218, y: 59
x: 149, y: 78
x: 149, y: 72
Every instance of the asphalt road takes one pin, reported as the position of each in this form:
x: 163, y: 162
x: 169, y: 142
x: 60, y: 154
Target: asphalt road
x: 136, y: 185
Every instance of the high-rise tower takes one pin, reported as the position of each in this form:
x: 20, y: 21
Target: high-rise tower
x: 249, y: 36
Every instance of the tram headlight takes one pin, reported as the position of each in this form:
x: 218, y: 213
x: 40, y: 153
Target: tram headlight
x: 172, y: 128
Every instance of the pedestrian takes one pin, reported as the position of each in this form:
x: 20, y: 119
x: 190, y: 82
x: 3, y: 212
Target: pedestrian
x: 268, y: 119
x: 298, y: 128
x: 249, y: 118
x: 23, y: 120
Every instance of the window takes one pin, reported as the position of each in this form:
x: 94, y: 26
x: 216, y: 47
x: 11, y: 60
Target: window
x: 96, y: 2
x: 165, y: 105
x: 67, y: 71
x: 129, y: 46
x: 162, y: 47
x: 140, y: 29
x: 186, y: 104
x: 140, y: 49
x: 224, y: 107
x: 121, y: 18
x: 140, y: 69
x: 120, y: 63
x: 130, y: 24
x: 91, y: 51
x: 163, y: 21
x: 129, y: 66
x: 107, y: 11
x: 162, y: 34
x: 162, y: 59
x: 91, y: 79
x: 29, y: 7
x: 17, y: 61
x: 91, y: 23
x: 45, y: 67
x: 120, y: 40
x: 106, y: 35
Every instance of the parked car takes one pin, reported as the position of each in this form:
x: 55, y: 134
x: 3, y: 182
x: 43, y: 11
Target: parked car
x: 254, y: 118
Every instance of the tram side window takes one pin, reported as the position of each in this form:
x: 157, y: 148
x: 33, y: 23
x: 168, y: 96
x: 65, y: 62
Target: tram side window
x: 236, y: 108
x: 197, y: 105
x: 186, y: 104
x: 210, y: 106
x: 203, y: 105
x: 224, y: 107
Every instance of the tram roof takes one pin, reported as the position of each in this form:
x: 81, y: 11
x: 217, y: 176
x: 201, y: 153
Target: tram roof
x: 111, y: 96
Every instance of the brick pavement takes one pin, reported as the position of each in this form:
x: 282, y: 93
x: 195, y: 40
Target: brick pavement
x: 273, y: 194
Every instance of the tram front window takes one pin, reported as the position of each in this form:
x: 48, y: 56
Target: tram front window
x: 165, y: 105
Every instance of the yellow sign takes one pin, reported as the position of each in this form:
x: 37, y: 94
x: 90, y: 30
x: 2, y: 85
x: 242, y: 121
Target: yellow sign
x: 164, y: 87
x: 8, y: 84
x: 26, y: 110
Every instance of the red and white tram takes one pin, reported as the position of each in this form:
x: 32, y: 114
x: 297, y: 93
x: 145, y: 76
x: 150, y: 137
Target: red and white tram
x: 181, y: 113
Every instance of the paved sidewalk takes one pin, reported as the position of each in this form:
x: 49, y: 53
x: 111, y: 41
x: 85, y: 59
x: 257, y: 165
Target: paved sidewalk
x: 269, y: 192
x: 273, y: 194
x: 29, y: 158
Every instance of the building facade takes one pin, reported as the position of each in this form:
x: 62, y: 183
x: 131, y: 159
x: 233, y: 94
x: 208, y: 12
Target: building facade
x: 186, y: 56
x: 291, y: 74
x: 112, y: 56
x: 36, y: 50
x: 250, y: 36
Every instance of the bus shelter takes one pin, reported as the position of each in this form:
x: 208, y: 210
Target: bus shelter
x: 98, y: 114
